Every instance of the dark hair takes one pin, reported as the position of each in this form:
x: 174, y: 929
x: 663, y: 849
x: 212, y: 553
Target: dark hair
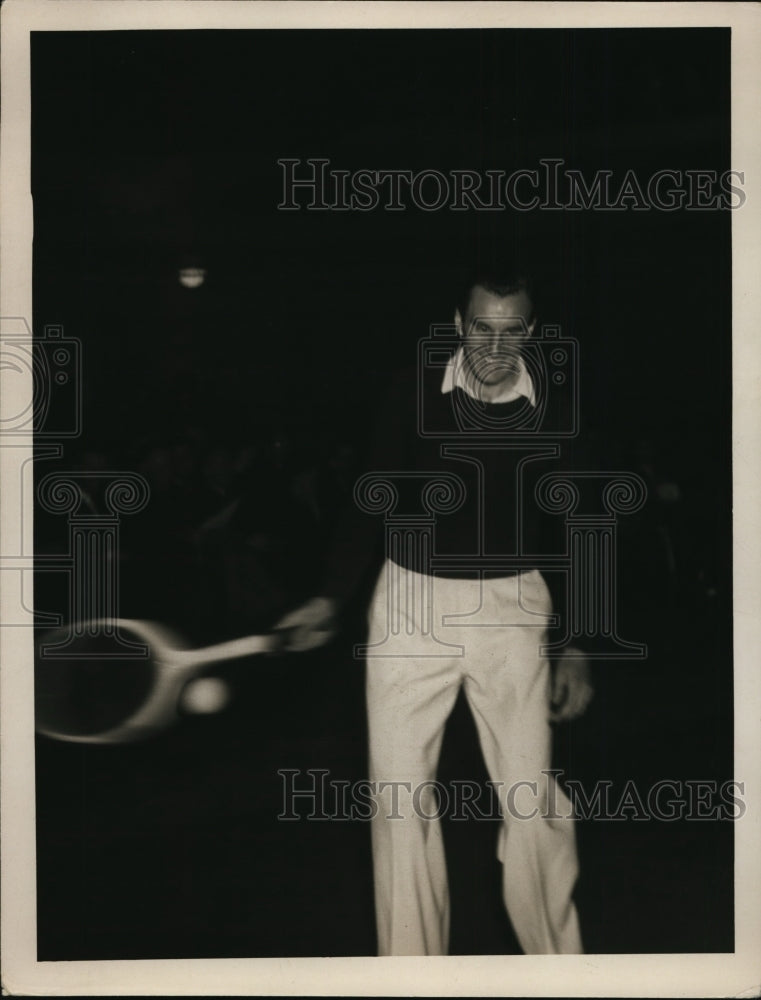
x: 499, y: 279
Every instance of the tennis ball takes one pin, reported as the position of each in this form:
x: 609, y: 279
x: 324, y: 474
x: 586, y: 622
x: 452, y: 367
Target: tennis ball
x: 205, y: 695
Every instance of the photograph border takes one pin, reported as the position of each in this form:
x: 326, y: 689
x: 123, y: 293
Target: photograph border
x: 692, y: 975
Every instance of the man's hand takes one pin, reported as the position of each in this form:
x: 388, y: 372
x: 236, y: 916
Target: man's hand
x: 310, y: 626
x: 571, y: 686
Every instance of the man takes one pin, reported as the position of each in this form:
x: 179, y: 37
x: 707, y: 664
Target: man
x: 465, y: 607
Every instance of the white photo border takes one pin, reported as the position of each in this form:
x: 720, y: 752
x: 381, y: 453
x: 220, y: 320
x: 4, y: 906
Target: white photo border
x: 685, y: 975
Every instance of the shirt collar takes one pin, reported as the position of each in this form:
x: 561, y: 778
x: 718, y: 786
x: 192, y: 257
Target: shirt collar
x: 456, y: 376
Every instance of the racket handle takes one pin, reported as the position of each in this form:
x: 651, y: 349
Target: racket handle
x: 235, y: 649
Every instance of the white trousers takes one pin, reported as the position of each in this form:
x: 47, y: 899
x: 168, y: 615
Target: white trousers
x: 494, y: 629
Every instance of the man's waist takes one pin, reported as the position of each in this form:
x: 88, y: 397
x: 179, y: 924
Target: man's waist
x: 459, y: 568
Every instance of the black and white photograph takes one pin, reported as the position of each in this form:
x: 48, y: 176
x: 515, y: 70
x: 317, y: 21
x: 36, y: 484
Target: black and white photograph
x: 379, y: 444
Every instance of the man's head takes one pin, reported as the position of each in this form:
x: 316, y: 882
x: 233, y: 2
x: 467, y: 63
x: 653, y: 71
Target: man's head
x: 494, y: 318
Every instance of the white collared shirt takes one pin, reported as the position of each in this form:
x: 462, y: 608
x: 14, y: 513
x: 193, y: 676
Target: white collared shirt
x: 458, y: 374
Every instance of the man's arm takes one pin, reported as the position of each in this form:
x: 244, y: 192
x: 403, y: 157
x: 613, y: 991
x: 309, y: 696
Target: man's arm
x: 354, y: 540
x: 309, y: 626
x: 572, y: 688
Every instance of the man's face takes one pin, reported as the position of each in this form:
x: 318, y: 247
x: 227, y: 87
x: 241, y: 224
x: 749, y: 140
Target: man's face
x: 493, y: 331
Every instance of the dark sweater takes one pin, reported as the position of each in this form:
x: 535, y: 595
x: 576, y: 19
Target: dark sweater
x: 496, y: 453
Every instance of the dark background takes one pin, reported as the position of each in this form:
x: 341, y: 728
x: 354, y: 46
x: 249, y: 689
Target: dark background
x: 248, y: 400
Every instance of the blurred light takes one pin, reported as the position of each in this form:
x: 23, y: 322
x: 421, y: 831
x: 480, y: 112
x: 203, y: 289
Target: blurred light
x: 192, y: 277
